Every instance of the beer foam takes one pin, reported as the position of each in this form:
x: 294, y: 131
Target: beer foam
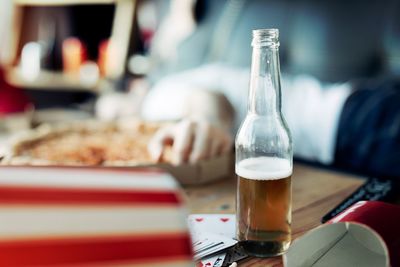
x: 264, y: 168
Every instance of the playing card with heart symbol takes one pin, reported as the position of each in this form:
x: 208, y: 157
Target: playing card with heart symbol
x: 220, y: 224
x: 211, y: 235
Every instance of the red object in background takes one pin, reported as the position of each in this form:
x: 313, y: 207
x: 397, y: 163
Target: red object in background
x: 12, y: 99
x: 147, y: 37
x: 382, y: 217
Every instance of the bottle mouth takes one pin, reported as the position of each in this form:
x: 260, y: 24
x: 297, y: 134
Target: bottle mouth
x: 265, y: 37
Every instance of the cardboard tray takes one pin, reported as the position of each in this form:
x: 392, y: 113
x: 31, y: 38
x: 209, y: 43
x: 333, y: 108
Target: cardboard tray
x: 205, y: 171
x: 187, y: 174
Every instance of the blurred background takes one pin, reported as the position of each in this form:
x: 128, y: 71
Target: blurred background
x: 59, y: 56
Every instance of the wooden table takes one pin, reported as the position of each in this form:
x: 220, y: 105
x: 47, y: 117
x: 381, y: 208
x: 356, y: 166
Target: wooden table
x: 315, y: 192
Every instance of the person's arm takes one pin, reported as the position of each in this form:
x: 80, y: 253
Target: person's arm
x: 311, y: 108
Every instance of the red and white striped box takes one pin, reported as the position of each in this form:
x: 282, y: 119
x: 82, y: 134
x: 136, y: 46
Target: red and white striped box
x: 51, y: 216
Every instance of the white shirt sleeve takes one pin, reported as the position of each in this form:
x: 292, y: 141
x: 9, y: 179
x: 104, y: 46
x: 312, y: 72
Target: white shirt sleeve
x: 311, y: 109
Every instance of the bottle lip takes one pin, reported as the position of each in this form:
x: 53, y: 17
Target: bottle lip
x: 265, y: 37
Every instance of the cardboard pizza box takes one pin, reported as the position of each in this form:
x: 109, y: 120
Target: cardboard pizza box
x: 203, y: 172
x: 187, y: 174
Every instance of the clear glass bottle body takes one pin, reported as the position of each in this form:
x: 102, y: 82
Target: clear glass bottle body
x: 264, y: 157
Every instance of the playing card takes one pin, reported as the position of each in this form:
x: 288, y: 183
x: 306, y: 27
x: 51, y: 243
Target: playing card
x: 233, y: 254
x: 206, y: 244
x: 212, y: 261
x: 221, y: 224
x: 211, y: 233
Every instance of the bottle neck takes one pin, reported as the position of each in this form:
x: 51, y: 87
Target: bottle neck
x: 265, y: 92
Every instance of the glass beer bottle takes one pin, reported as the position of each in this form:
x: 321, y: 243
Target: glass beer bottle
x: 264, y: 157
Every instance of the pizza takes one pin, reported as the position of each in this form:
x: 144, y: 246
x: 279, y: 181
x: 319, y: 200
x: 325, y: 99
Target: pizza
x: 85, y: 143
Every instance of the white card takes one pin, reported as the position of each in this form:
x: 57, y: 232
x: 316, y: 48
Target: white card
x: 211, y: 233
x: 221, y: 224
x: 207, y: 244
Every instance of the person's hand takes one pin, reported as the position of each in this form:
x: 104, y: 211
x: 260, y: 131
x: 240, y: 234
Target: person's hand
x: 201, y: 134
x: 191, y: 140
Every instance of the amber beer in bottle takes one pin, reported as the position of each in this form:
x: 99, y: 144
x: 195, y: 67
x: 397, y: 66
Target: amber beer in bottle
x: 264, y: 157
